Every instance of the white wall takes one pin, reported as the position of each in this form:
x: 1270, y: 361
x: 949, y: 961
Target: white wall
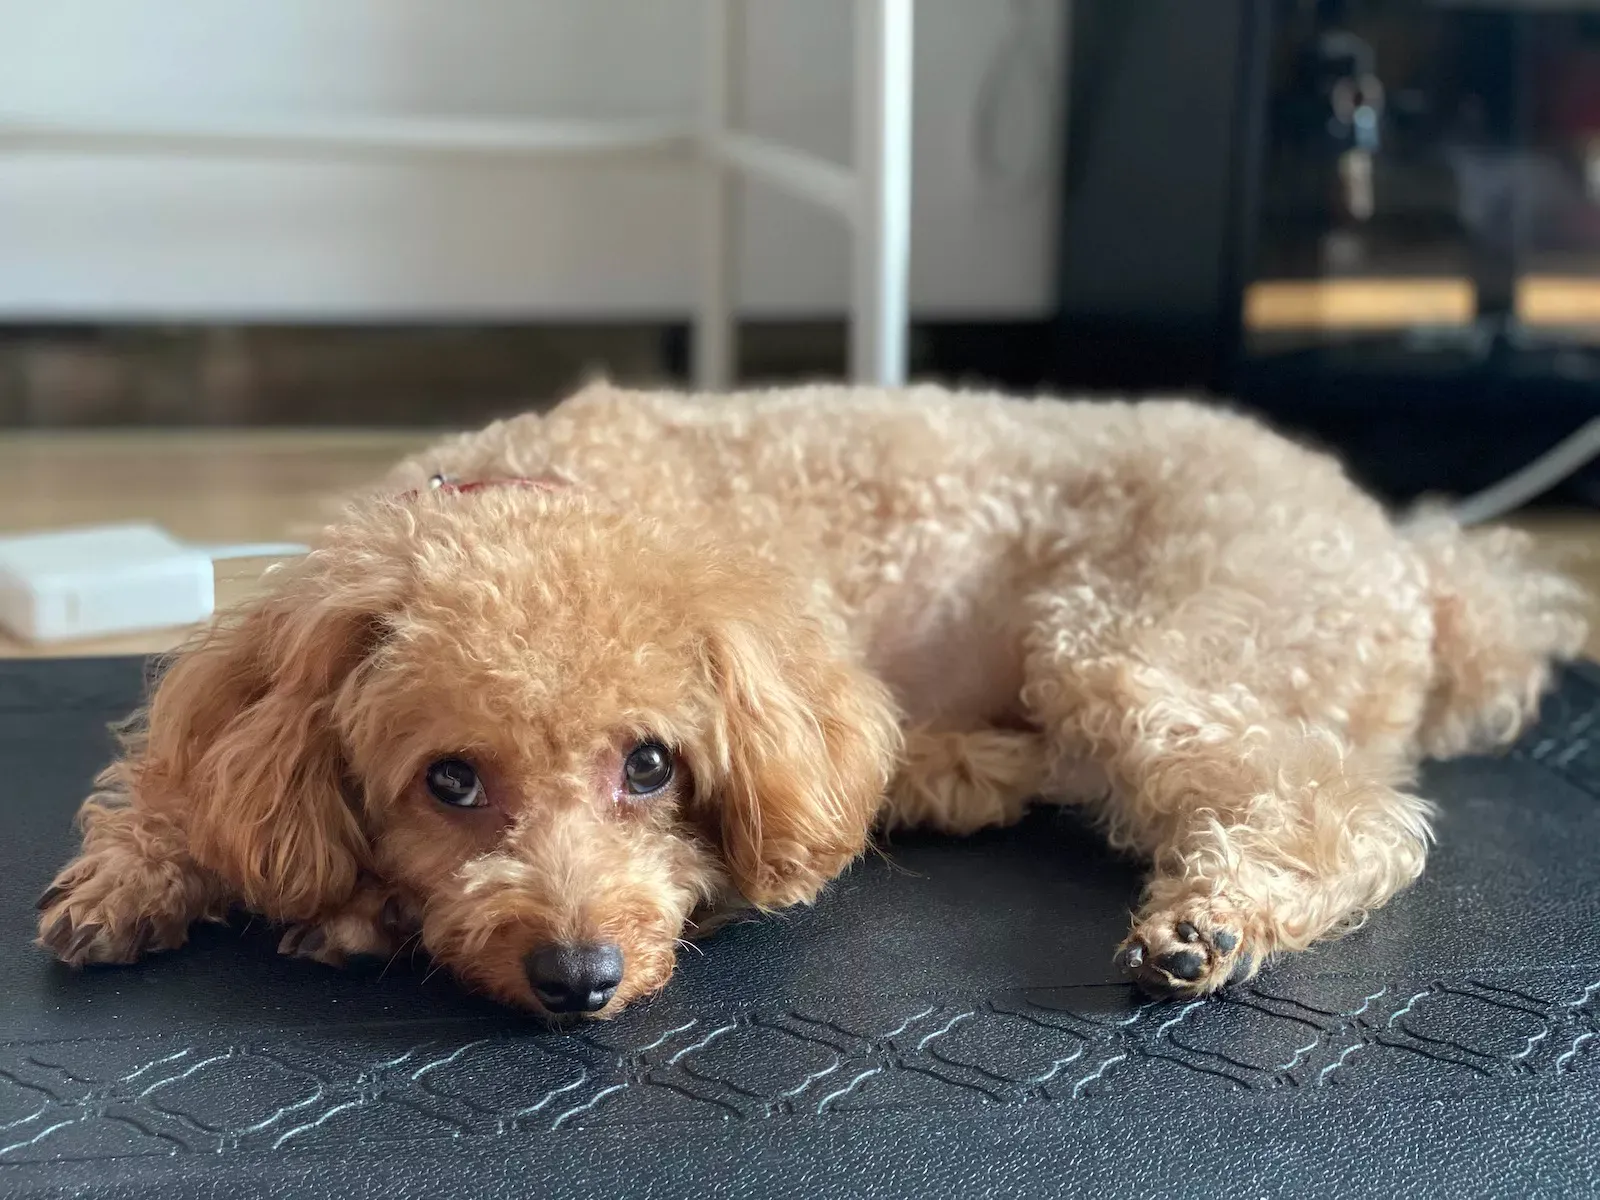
x: 95, y: 237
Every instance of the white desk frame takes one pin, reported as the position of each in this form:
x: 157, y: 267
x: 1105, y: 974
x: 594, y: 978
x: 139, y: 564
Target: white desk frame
x: 873, y: 197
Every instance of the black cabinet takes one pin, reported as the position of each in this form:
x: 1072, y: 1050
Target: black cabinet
x: 1376, y: 221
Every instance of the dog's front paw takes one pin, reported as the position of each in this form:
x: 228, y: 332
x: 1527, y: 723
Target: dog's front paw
x: 113, y: 907
x: 369, y: 931
x: 1188, y: 951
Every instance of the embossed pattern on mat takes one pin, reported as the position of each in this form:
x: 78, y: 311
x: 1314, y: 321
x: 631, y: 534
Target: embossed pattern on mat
x: 944, y: 1021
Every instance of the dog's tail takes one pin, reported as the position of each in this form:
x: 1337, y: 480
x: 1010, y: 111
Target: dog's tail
x: 1500, y: 624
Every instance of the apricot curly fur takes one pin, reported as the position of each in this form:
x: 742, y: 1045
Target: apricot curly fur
x: 840, y: 609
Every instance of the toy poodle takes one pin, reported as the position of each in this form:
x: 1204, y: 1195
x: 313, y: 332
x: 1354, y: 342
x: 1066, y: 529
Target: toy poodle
x: 557, y: 694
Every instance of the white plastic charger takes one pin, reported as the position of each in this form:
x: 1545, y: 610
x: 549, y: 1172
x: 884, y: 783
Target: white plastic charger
x: 100, y: 580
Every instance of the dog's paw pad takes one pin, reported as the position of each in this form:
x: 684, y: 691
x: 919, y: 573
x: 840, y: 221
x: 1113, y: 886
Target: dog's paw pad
x: 1186, y: 956
x: 1187, y: 965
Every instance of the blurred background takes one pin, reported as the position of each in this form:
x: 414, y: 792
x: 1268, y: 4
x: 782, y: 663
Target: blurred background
x: 1375, y: 221
x: 164, y: 288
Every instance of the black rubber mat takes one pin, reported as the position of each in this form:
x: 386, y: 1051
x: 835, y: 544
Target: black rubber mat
x: 943, y: 1023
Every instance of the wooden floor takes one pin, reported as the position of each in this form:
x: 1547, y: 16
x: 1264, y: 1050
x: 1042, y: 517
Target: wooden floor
x: 203, y: 487
x: 275, y: 486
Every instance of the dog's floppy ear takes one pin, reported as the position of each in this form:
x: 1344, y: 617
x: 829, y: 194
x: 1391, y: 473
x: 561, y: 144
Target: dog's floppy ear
x: 804, y: 742
x: 240, y: 739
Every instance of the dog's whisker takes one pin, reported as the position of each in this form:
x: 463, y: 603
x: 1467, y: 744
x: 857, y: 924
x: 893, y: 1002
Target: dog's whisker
x: 413, y: 941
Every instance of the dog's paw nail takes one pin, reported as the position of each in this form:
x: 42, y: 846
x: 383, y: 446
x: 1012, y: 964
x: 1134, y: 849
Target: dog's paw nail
x: 153, y: 934
x: 1131, y: 957
x: 295, y: 939
x: 1224, y: 941
x: 59, y: 928
x: 1187, y: 965
x: 49, y: 896
x: 1186, y: 932
x: 303, y: 940
x: 82, y: 940
x: 391, y: 916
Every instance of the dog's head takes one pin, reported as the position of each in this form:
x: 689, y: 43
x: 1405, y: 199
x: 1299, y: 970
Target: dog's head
x: 562, y: 731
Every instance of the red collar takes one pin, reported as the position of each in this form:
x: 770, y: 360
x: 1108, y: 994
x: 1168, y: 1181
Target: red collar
x: 441, y: 483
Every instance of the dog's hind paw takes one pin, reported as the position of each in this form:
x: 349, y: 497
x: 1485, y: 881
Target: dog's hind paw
x: 1186, y: 952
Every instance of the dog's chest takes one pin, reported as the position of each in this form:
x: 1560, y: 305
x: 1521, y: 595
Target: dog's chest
x: 946, y: 636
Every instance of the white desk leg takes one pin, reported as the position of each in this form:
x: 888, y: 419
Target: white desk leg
x: 713, y: 353
x: 879, y: 304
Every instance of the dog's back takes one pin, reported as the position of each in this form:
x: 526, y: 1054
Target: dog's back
x: 931, y: 515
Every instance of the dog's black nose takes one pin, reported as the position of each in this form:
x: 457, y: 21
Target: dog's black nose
x: 575, y: 979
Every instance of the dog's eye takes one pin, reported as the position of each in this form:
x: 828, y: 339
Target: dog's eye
x: 454, y: 782
x: 647, y: 769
